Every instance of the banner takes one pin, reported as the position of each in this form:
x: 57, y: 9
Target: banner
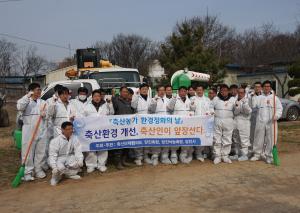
x: 133, y: 131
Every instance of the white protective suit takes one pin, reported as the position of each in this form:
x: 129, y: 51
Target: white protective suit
x: 223, y: 127
x: 242, y: 114
x: 31, y: 111
x: 140, y: 105
x: 264, y: 130
x: 187, y: 108
x: 58, y: 112
x: 203, y: 107
x: 65, y: 157
x: 253, y: 117
x: 78, y: 106
x: 97, y: 160
x: 158, y: 106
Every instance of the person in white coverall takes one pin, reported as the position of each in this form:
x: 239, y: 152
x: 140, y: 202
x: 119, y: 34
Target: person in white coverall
x: 223, y: 125
x: 140, y: 103
x: 242, y: 114
x: 257, y: 92
x: 60, y: 110
x: 158, y: 105
x: 181, y: 105
x: 80, y: 102
x: 204, y: 107
x: 97, y: 107
x: 31, y: 108
x: 65, y: 156
x: 265, y: 121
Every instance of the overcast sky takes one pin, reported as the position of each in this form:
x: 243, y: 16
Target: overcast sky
x: 82, y: 22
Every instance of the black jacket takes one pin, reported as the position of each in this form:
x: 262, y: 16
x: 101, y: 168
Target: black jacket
x: 121, y: 106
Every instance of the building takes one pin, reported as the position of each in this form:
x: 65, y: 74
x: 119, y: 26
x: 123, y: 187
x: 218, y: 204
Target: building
x: 277, y: 73
x: 16, y: 86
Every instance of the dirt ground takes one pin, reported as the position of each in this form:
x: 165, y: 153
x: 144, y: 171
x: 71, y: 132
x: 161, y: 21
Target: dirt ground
x: 198, y: 187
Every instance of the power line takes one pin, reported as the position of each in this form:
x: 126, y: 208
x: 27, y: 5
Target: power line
x: 37, y: 42
x: 4, y: 1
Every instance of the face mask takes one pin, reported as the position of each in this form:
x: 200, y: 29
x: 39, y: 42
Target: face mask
x: 82, y: 97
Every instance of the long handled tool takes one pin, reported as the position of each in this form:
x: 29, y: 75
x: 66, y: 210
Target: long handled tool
x: 275, y: 150
x: 16, y: 182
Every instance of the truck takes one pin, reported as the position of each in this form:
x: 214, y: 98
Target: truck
x: 94, y: 72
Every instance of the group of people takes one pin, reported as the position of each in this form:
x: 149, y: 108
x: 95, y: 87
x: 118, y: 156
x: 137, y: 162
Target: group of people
x: 243, y: 126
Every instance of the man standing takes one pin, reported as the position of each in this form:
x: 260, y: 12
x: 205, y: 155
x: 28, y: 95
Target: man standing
x: 203, y: 108
x: 242, y: 112
x: 181, y: 105
x: 122, y: 106
x: 158, y: 105
x: 65, y: 156
x: 60, y: 110
x: 223, y: 107
x: 31, y: 107
x: 80, y: 102
x: 140, y: 104
x: 97, y: 107
x: 253, y: 96
x: 269, y: 111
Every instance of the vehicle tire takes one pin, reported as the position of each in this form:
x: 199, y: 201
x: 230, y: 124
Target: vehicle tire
x: 4, y: 118
x: 292, y: 114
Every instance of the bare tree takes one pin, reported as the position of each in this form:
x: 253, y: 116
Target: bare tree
x: 129, y: 51
x: 7, y: 53
x: 29, y: 63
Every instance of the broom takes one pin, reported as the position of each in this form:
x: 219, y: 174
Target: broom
x: 16, y: 182
x: 276, y: 160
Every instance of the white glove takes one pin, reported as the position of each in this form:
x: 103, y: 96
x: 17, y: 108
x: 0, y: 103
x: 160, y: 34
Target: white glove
x: 29, y: 94
x: 55, y: 171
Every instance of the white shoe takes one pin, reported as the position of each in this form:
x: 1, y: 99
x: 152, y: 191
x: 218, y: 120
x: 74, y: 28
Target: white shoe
x: 155, y: 161
x: 40, y: 174
x: 138, y: 162
x: 174, y: 160
x: 233, y: 157
x: 102, y: 168
x: 217, y: 160
x: 200, y: 158
x: 74, y: 177
x: 28, y: 177
x: 269, y: 160
x: 243, y: 158
x: 254, y: 158
x: 226, y: 160
x: 166, y: 161
x: 148, y: 160
x: 90, y: 169
x: 53, y: 182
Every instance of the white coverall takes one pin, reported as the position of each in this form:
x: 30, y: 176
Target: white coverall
x: 158, y: 106
x: 31, y: 111
x: 65, y: 157
x: 78, y: 106
x: 140, y: 105
x: 59, y: 113
x: 264, y: 130
x: 223, y: 126
x: 253, y: 118
x: 187, y: 108
x: 242, y: 114
x: 203, y: 107
x: 97, y: 159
